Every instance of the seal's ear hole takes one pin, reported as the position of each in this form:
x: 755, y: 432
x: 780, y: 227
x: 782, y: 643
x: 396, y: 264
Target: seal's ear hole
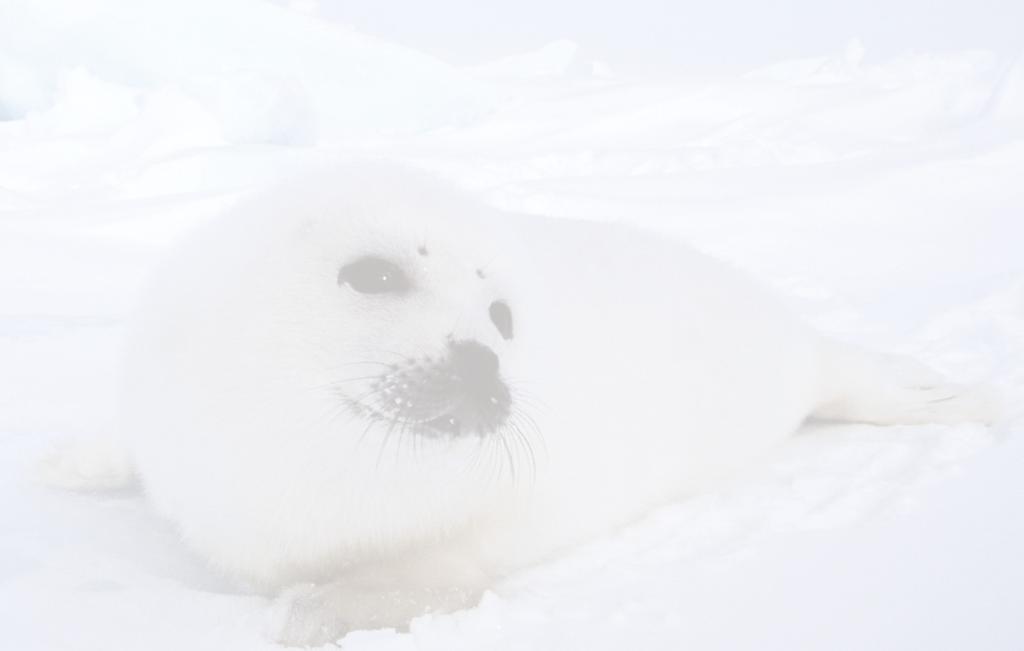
x: 373, y: 275
x: 501, y: 317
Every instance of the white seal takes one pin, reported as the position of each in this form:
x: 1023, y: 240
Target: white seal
x: 366, y: 385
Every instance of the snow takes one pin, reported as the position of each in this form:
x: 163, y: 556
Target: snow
x: 882, y: 199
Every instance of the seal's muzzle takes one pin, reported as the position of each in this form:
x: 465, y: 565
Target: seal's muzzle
x: 460, y: 393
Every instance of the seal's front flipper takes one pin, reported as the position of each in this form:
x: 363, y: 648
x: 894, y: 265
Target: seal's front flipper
x: 95, y: 464
x: 861, y: 386
x: 384, y: 596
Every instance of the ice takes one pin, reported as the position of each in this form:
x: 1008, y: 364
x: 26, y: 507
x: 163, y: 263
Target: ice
x: 882, y: 197
x: 1009, y: 100
x: 561, y: 58
x: 277, y: 63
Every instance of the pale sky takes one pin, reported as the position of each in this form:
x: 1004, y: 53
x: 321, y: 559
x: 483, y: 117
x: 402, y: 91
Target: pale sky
x: 687, y: 34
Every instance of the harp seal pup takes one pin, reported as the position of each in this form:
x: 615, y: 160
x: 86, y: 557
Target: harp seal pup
x: 374, y: 396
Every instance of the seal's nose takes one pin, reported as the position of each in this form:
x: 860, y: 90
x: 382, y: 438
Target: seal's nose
x: 470, y: 392
x: 474, y: 362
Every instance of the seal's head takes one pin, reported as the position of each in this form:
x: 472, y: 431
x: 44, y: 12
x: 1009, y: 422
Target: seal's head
x: 332, y: 366
x: 411, y: 314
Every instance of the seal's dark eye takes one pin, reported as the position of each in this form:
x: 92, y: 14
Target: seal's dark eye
x: 501, y: 317
x: 373, y: 275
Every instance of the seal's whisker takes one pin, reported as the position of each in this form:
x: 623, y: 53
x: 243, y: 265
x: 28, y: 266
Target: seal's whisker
x: 497, y: 459
x: 333, y: 384
x: 523, y: 441
x: 376, y: 350
x: 359, y: 402
x: 530, y: 426
x: 509, y: 456
x: 358, y: 378
x: 366, y: 362
x: 485, y: 455
x: 400, y: 439
x: 526, y: 396
x: 370, y: 422
x: 384, y: 442
x: 385, y: 367
x: 476, y: 461
x: 515, y: 442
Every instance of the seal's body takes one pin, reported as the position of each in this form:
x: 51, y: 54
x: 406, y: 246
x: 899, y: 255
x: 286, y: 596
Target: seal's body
x: 365, y: 380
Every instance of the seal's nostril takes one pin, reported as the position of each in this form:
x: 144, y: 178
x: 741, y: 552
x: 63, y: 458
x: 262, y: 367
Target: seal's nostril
x: 501, y: 317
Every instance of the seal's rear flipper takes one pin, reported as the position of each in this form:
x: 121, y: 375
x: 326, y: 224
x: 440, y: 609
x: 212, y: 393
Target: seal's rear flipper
x: 95, y: 464
x: 861, y: 386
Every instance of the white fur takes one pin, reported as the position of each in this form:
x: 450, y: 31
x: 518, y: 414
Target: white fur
x: 642, y: 371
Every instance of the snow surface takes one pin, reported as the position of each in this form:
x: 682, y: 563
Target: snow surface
x: 883, y: 200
